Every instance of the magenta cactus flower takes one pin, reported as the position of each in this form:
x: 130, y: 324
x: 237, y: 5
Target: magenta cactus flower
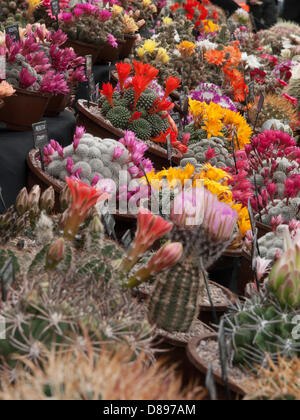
x: 26, y: 80
x: 112, y: 41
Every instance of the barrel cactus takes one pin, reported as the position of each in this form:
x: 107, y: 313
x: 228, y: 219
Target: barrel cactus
x: 260, y: 326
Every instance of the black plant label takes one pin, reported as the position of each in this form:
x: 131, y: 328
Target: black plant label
x: 13, y: 32
x: 169, y: 148
x: 40, y: 138
x: 7, y: 277
x: 55, y: 7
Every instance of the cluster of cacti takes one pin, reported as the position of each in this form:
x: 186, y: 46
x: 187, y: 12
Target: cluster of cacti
x: 39, y: 63
x: 171, y: 32
x: 211, y: 151
x: 65, y: 289
x: 275, y: 382
x: 259, y: 328
x: 288, y: 211
x: 275, y: 107
x: 14, y: 10
x: 99, y: 161
x: 147, y: 126
x: 142, y: 10
x: 271, y: 244
x: 293, y: 88
x: 79, y: 376
x: 285, y: 168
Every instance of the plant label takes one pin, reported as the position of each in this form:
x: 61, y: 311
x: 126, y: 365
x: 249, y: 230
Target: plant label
x: 109, y: 224
x: 261, y: 103
x: 126, y: 239
x: 2, y: 199
x: 88, y: 66
x: 40, y: 138
x: 210, y: 384
x: 223, y: 357
x: 7, y: 277
x: 251, y: 91
x: 92, y: 89
x: 55, y: 8
x: 214, y: 313
x: 169, y: 148
x: 2, y: 67
x: 13, y: 32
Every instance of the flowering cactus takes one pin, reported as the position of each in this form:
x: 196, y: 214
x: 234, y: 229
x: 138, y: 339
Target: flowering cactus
x: 284, y: 279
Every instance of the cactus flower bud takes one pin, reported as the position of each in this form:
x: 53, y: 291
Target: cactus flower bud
x: 284, y: 279
x: 96, y: 225
x: 34, y: 197
x: 22, y: 202
x: 55, y: 254
x: 168, y: 256
x: 65, y: 198
x: 47, y: 201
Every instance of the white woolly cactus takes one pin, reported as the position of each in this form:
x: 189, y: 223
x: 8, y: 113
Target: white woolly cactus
x: 285, y: 169
x: 271, y: 243
x: 277, y: 125
x: 211, y: 150
x: 95, y: 161
x: 288, y: 211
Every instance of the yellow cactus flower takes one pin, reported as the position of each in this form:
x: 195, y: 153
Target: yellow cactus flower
x: 186, y: 48
x: 210, y: 26
x: 162, y: 56
x: 167, y: 21
x: 141, y: 52
x: 147, y: 3
x: 116, y: 10
x: 150, y: 46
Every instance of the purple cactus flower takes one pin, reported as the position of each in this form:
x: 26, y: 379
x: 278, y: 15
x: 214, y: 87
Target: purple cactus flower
x: 70, y: 166
x: 112, y: 41
x: 95, y: 180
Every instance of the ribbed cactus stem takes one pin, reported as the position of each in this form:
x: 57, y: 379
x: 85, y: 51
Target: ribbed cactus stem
x: 174, y: 303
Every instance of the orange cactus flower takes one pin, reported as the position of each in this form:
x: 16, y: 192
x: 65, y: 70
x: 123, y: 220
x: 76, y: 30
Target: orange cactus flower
x: 215, y: 57
x: 84, y: 198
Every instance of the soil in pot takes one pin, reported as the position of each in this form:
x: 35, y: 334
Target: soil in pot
x: 204, y: 350
x: 23, y: 109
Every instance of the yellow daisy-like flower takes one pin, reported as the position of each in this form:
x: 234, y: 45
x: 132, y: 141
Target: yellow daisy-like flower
x: 116, y: 10
x: 150, y: 46
x: 162, y: 56
x: 141, y: 52
x: 167, y: 21
x: 186, y: 48
x: 210, y: 26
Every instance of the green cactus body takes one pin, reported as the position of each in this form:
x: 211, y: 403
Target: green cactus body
x: 174, y: 302
x: 119, y: 116
x: 141, y: 128
x: 157, y: 124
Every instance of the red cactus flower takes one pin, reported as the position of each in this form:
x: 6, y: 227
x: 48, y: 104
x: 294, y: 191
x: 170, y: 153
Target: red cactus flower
x: 145, y: 70
x: 84, y: 198
x: 171, y: 84
x: 161, y: 106
x: 123, y: 70
x: 108, y: 91
x: 210, y: 154
x: 135, y: 116
x: 150, y: 229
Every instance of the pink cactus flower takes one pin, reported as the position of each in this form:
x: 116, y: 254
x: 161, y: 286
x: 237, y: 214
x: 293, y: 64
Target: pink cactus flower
x: 112, y: 41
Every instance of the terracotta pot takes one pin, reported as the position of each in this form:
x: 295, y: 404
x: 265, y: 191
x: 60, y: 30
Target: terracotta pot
x: 202, y: 366
x: 127, y: 46
x: 262, y: 229
x: 82, y: 49
x: 108, y: 54
x: 57, y: 104
x: 23, y: 109
x: 100, y: 127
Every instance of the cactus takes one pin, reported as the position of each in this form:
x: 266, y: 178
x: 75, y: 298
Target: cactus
x: 275, y: 107
x: 275, y: 382
x: 66, y: 290
x: 199, y: 149
x: 271, y: 244
x: 142, y: 128
x: 293, y: 89
x: 260, y: 326
x: 119, y: 116
x: 280, y: 207
x: 274, y: 124
x: 284, y: 278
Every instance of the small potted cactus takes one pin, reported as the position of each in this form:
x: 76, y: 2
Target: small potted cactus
x: 43, y: 75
